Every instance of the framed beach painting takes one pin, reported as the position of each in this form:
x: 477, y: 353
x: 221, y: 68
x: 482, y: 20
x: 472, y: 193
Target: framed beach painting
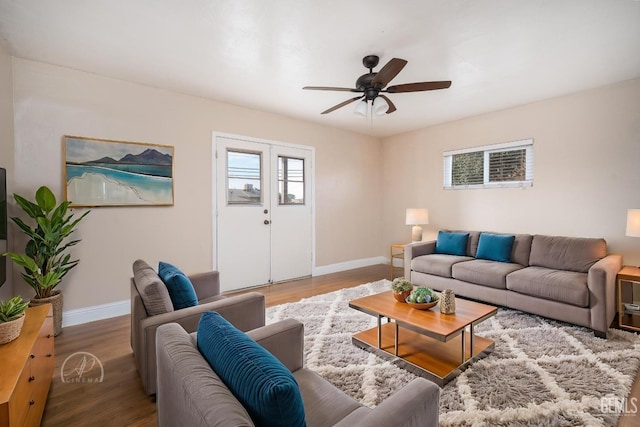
x: 102, y: 172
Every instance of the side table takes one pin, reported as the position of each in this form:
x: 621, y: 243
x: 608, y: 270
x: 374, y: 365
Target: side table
x: 397, y: 251
x: 628, y: 281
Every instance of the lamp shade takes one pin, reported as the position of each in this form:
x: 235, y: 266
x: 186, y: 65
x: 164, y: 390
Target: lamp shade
x: 361, y: 108
x: 417, y: 216
x: 633, y: 222
x: 380, y: 106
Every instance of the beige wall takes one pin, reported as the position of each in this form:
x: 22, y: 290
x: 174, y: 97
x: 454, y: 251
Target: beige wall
x: 52, y: 101
x: 6, y: 144
x: 586, y: 171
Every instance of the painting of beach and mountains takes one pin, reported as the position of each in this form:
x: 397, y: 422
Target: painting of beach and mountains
x: 101, y: 172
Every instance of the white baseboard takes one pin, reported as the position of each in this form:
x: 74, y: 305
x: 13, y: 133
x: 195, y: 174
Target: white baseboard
x: 349, y: 265
x: 120, y: 308
x: 96, y: 312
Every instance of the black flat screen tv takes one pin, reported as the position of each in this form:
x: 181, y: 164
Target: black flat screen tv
x: 3, y: 224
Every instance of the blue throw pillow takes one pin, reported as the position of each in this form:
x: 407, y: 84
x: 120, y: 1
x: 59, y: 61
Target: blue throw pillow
x: 180, y: 288
x: 495, y: 247
x: 452, y: 243
x: 260, y: 382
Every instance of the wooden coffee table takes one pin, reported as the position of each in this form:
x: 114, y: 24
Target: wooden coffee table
x: 426, y: 342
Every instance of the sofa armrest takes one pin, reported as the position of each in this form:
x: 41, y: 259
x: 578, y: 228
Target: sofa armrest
x: 601, y: 280
x: 285, y: 340
x: 244, y: 311
x: 414, y: 250
x: 206, y: 285
x: 414, y: 405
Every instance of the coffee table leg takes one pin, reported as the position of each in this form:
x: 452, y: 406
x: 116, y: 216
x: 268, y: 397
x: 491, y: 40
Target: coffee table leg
x: 471, y: 340
x: 463, y: 346
x: 379, y: 332
x: 396, y: 342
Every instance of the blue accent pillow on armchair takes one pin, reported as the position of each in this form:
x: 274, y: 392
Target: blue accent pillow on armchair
x: 451, y: 243
x: 180, y: 288
x: 495, y: 247
x: 260, y: 382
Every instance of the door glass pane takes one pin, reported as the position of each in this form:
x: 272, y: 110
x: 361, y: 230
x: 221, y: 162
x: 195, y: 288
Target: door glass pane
x: 290, y: 181
x: 244, y: 178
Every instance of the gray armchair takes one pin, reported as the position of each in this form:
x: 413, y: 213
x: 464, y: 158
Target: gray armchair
x: 151, y: 307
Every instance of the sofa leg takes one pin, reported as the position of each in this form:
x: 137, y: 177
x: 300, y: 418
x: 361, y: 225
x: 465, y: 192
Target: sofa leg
x: 600, y: 334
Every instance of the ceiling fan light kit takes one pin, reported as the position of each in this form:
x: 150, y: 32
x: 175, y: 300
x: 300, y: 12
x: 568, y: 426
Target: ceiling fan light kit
x: 372, y: 85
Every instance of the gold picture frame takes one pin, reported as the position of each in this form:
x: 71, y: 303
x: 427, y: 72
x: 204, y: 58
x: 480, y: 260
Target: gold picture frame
x: 104, y: 172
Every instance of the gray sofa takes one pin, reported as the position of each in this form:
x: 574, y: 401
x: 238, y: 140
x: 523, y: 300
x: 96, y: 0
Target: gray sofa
x: 151, y: 307
x: 564, y: 278
x: 190, y: 393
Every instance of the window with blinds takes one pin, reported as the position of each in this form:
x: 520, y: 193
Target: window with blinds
x: 500, y: 165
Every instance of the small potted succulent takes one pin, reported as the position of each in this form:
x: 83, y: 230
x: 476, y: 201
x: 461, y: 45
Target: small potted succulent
x: 401, y: 288
x: 11, y: 318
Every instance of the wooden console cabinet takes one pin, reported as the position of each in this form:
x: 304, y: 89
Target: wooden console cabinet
x: 26, y: 370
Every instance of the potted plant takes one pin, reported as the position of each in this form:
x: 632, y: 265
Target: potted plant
x: 11, y: 318
x: 401, y: 288
x: 45, y: 262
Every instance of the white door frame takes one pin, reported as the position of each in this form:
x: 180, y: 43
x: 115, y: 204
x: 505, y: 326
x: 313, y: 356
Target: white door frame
x: 214, y: 194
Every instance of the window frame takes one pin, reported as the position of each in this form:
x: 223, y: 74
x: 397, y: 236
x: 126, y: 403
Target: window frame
x: 286, y: 181
x: 260, y: 202
x: 526, y: 144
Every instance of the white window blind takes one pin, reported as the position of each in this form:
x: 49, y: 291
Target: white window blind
x: 500, y: 165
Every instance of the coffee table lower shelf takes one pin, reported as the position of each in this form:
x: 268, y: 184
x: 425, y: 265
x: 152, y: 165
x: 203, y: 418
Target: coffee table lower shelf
x: 427, y: 357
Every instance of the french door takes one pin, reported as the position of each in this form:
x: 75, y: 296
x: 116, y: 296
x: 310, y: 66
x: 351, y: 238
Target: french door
x: 264, y: 212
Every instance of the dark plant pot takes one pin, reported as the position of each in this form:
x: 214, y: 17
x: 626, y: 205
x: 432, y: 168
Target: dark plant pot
x: 56, y: 302
x: 401, y: 296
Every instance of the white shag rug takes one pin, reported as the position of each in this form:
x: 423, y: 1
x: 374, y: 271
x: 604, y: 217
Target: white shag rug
x: 541, y: 373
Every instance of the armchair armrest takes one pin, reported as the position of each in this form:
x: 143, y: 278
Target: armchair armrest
x: 244, y: 311
x: 414, y: 405
x: 206, y: 285
x: 414, y: 250
x: 285, y: 340
x: 601, y: 281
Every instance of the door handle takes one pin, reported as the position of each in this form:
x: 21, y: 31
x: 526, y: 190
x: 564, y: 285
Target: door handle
x: 267, y: 222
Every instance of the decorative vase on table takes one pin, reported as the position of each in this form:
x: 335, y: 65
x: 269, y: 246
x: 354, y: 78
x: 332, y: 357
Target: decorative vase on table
x: 447, y: 302
x: 9, y: 331
x: 401, y: 296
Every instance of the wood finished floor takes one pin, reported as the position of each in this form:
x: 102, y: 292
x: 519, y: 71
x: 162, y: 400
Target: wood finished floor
x: 120, y: 400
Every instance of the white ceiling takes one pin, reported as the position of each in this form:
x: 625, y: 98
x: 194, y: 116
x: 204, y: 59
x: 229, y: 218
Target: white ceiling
x: 260, y: 53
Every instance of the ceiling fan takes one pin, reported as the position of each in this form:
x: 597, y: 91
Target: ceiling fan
x: 372, y: 86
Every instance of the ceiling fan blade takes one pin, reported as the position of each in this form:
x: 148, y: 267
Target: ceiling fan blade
x: 392, y: 107
x: 388, y: 72
x: 418, y: 87
x: 342, y: 104
x: 339, y: 89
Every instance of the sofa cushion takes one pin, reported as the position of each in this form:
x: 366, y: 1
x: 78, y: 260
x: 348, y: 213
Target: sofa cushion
x: 180, y: 288
x: 152, y: 290
x: 262, y: 384
x: 495, y: 247
x: 437, y: 264
x: 568, y: 287
x: 484, y: 272
x: 323, y: 404
x: 566, y: 253
x: 451, y: 243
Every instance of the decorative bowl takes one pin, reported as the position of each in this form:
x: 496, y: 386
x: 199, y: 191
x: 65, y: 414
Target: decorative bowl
x: 401, y: 296
x: 423, y: 306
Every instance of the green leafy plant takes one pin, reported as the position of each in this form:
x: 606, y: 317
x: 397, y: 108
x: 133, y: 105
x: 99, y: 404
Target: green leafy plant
x: 45, y: 262
x: 12, y: 309
x: 422, y: 295
x: 400, y: 284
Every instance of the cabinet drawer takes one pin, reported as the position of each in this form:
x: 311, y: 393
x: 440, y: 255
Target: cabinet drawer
x: 22, y: 397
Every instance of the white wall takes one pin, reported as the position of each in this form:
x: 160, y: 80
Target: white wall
x: 51, y: 101
x: 6, y: 147
x: 586, y: 171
